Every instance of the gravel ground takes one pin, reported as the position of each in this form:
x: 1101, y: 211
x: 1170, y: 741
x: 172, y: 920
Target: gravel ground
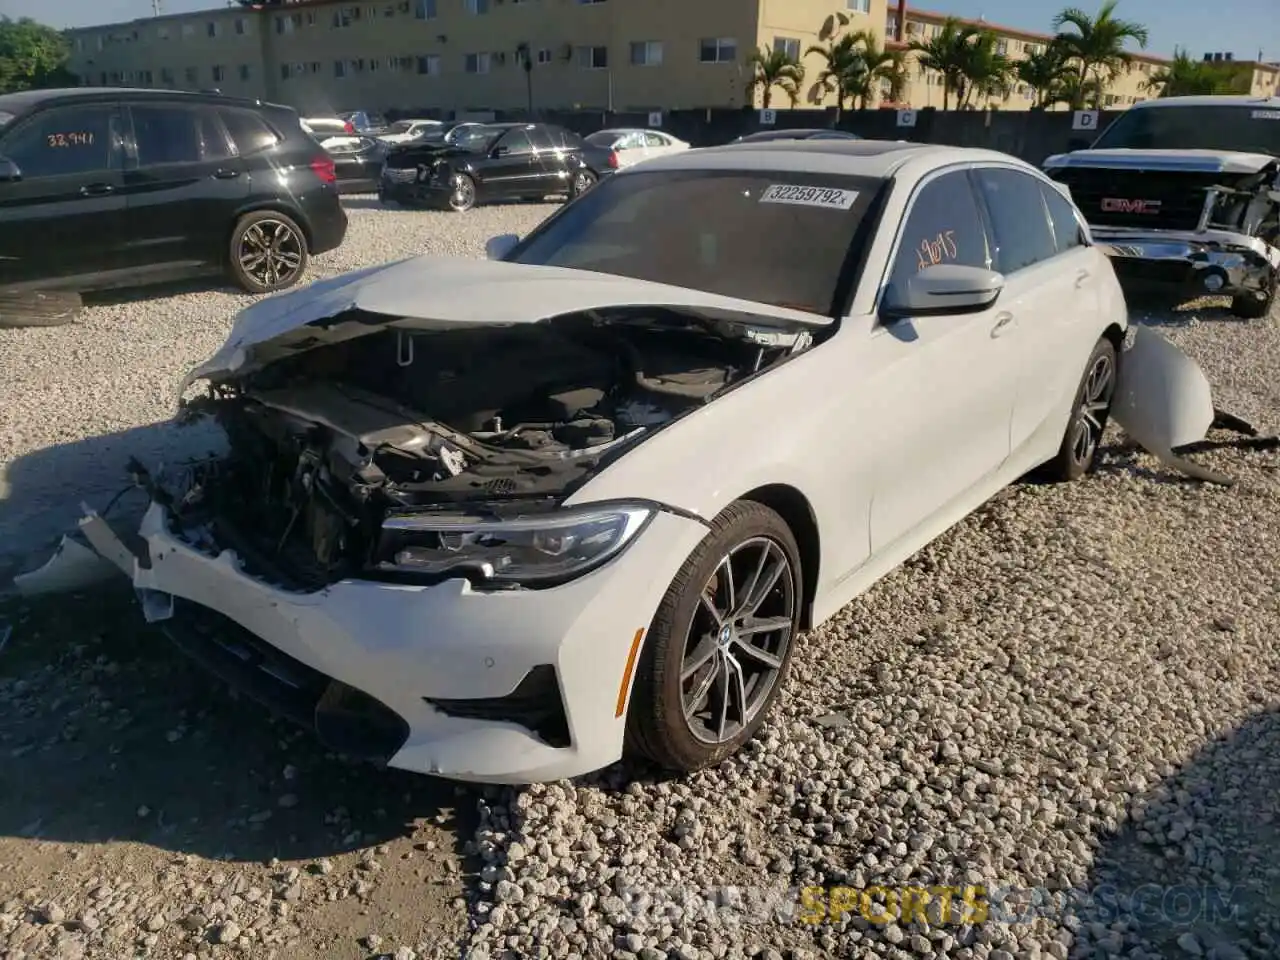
x: 1073, y: 692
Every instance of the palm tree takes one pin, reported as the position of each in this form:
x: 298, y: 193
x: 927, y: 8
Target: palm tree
x: 945, y: 53
x: 843, y: 70
x: 986, y: 71
x: 1096, y: 46
x: 1186, y: 77
x: 1045, y: 73
x: 881, y: 65
x: 774, y: 68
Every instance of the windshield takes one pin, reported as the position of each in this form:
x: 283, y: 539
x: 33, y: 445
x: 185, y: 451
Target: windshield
x: 1247, y: 129
x: 772, y: 237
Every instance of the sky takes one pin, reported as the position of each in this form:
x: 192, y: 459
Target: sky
x: 1237, y: 26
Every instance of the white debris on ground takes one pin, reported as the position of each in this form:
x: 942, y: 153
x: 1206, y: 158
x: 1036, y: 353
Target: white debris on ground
x: 1074, y: 690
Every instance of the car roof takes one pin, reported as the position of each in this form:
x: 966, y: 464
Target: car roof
x: 1266, y: 103
x: 864, y: 158
x: 27, y: 99
x: 797, y: 133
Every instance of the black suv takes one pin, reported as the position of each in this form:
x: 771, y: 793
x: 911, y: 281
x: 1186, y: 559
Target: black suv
x: 479, y: 162
x: 108, y: 187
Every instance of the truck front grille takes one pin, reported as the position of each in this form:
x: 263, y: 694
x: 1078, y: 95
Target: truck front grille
x: 1153, y: 199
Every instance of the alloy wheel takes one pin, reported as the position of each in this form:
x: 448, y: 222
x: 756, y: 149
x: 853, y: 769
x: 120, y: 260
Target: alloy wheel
x: 738, y: 639
x: 1091, y: 415
x: 582, y: 182
x: 463, y: 196
x: 271, y: 252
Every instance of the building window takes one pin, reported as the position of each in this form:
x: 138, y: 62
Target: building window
x: 244, y: 73
x: 425, y: 9
x: 219, y: 74
x: 476, y: 63
x: 1002, y: 47
x: 339, y: 68
x: 242, y: 26
x: 718, y: 50
x: 188, y: 29
x: 477, y: 7
x: 211, y: 28
x: 429, y: 65
x: 162, y: 33
x: 858, y: 6
x: 585, y: 2
x: 891, y: 27
x: 592, y: 58
x: 284, y: 25
x: 788, y: 47
x: 190, y: 74
x: 544, y: 55
x: 646, y: 53
x: 166, y: 76
x: 144, y: 77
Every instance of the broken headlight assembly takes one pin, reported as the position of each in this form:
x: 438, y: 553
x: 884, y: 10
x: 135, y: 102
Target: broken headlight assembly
x: 536, y: 551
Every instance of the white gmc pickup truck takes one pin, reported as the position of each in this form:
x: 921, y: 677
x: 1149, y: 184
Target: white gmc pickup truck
x: 1186, y: 191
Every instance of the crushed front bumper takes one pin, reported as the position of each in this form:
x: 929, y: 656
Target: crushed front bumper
x: 1203, y: 262
x: 512, y: 686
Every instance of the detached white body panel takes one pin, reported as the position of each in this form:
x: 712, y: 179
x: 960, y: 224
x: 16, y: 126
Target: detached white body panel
x: 886, y: 433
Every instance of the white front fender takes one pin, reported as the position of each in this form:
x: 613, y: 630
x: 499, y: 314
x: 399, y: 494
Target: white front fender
x: 1163, y: 401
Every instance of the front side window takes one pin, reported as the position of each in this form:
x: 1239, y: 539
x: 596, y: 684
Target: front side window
x: 516, y: 143
x: 1248, y: 129
x: 1020, y: 228
x: 942, y: 226
x: 64, y: 142
x: 164, y: 134
x: 780, y: 238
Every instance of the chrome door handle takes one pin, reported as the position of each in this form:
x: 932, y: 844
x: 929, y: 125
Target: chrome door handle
x: 1081, y: 277
x: 1002, y: 324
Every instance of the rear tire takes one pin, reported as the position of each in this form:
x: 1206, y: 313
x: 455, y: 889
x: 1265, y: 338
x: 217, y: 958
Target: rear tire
x: 1089, y: 414
x: 710, y: 641
x: 268, y: 252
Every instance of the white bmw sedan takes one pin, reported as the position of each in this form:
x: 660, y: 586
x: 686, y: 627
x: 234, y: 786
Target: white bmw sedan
x: 506, y: 520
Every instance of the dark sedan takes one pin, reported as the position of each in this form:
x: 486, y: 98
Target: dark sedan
x: 490, y: 162
x: 357, y: 162
x: 764, y: 136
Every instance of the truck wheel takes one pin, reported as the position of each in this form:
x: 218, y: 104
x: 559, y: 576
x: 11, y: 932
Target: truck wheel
x: 1253, y: 306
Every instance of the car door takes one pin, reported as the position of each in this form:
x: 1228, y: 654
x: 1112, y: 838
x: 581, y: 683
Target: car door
x: 1050, y: 292
x: 549, y: 151
x: 947, y: 398
x: 183, y: 183
x: 64, y: 216
x: 511, y: 166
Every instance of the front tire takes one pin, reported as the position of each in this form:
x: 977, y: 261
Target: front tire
x: 719, y: 648
x: 462, y: 193
x: 1079, y: 451
x: 268, y: 252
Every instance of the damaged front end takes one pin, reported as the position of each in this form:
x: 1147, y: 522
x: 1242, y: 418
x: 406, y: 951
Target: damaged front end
x: 1199, y: 225
x: 376, y: 456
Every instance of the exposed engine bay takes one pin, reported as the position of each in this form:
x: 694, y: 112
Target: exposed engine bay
x: 324, y: 444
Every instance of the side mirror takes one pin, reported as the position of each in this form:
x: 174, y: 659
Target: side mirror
x: 947, y: 288
x: 9, y: 171
x: 498, y: 247
x: 500, y: 151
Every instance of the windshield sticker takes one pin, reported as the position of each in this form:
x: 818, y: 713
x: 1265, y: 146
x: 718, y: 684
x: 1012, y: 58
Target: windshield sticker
x: 935, y: 250
x: 1266, y: 114
x: 809, y: 196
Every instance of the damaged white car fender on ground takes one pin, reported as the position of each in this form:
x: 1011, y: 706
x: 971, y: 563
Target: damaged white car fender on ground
x: 502, y: 521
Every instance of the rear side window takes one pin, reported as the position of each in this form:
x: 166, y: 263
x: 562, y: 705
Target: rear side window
x: 1019, y: 221
x: 541, y: 139
x: 165, y: 134
x: 249, y: 132
x: 1062, y: 215
x: 567, y: 138
x: 942, y: 226
x: 64, y: 141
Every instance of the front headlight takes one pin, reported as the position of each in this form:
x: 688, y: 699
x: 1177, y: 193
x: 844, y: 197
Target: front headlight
x: 536, y: 550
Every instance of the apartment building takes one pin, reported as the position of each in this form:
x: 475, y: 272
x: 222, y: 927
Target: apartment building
x: 925, y: 89
x: 1248, y: 77
x: 466, y: 55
